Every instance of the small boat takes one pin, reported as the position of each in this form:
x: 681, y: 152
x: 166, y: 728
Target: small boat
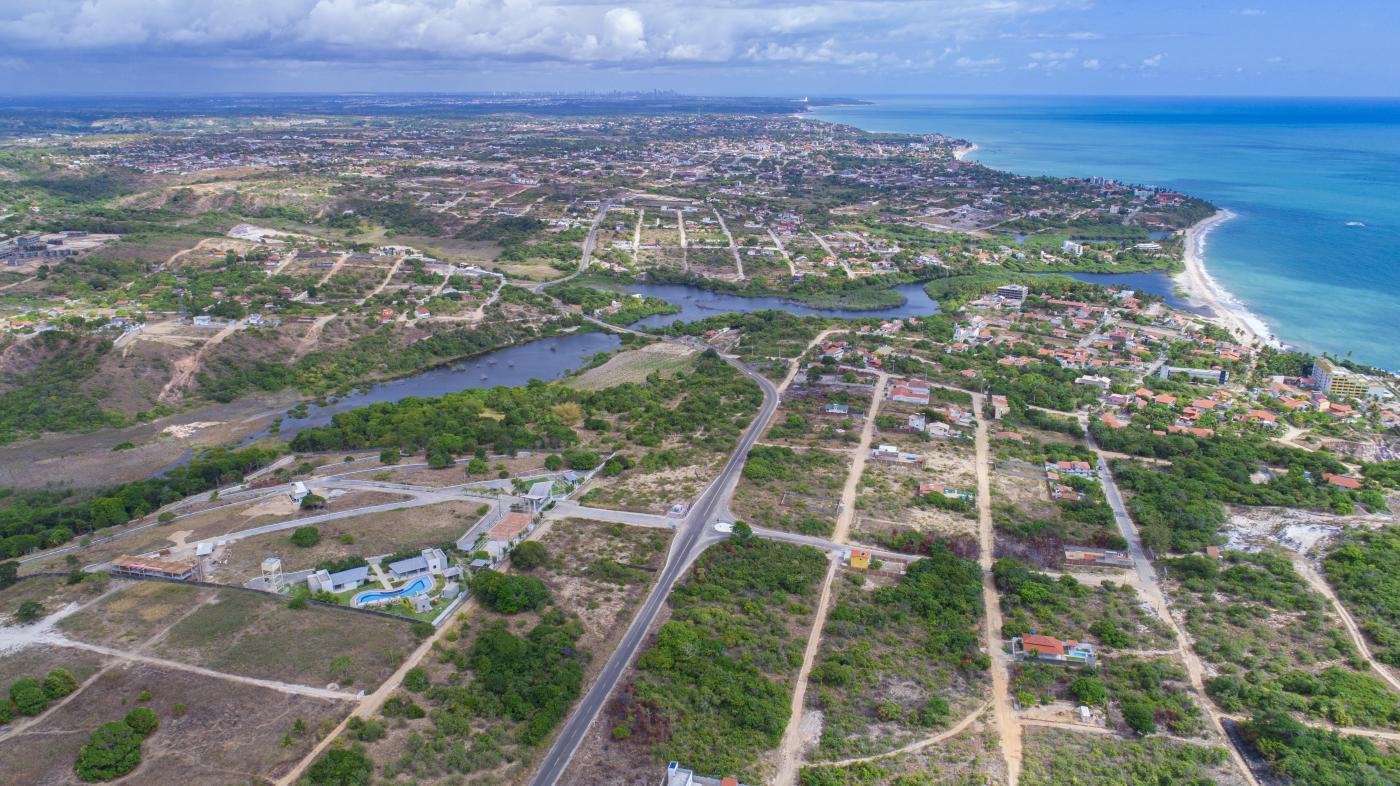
x: 1355, y: 224
x: 484, y: 376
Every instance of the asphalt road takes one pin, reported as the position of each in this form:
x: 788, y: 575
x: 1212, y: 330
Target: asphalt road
x: 694, y: 534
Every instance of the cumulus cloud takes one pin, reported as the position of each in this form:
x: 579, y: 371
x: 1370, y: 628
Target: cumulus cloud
x: 978, y: 64
x: 1091, y: 64
x: 581, y: 31
x: 1154, y: 60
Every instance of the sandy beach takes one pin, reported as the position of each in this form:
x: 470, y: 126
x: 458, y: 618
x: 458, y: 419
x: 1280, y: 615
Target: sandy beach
x: 964, y: 152
x: 1203, y: 290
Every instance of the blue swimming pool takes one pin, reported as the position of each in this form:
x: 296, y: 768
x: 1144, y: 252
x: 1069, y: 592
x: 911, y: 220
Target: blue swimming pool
x: 373, y: 597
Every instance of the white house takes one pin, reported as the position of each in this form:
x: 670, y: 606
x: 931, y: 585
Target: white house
x: 340, y: 581
x: 430, y: 561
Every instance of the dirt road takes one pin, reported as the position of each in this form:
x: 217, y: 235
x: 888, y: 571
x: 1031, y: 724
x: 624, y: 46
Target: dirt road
x: 790, y: 749
x: 1007, y: 725
x: 1317, y: 582
x: 186, y: 367
x: 849, y: 491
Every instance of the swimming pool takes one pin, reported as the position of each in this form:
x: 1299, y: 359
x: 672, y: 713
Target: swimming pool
x: 373, y: 597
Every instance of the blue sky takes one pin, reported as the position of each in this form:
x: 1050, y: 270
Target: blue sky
x: 731, y: 47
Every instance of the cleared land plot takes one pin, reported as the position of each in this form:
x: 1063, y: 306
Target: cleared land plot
x: 661, y: 479
x: 1104, y: 760
x: 371, y: 535
x: 636, y: 365
x: 228, y: 732
x: 246, y: 633
x: 819, y: 417
x: 50, y: 592
x: 596, y: 574
x: 793, y: 490
x: 893, y: 512
x: 35, y: 662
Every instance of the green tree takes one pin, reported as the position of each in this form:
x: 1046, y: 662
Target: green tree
x: 342, y: 767
x: 59, y: 683
x: 313, y: 502
x: 1138, y: 716
x: 9, y: 573
x: 529, y: 555
x: 143, y: 720
x: 1088, y: 690
x: 29, y: 611
x: 339, y: 667
x: 553, y: 462
x: 478, y: 466
x: 306, y: 537
x: 29, y: 697
x: 416, y: 680
x: 112, y: 751
x: 389, y: 456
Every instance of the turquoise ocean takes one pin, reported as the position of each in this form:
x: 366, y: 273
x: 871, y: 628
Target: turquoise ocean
x: 1315, y: 248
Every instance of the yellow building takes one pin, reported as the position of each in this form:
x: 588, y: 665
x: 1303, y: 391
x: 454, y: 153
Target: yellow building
x: 1338, y: 381
x: 860, y: 558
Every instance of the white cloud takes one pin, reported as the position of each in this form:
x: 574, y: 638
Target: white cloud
x: 581, y: 31
x: 1052, y: 56
x: 1250, y: 11
x: 974, y: 64
x: 1154, y: 61
x: 1092, y: 64
x: 1275, y: 60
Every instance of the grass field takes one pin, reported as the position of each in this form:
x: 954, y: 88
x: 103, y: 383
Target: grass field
x: 245, y: 633
x: 636, y: 365
x: 228, y: 732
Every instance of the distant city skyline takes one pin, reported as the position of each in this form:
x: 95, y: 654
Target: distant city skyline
x: 718, y: 47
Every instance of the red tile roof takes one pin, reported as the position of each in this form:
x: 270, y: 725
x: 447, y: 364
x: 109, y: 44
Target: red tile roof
x: 1046, y: 644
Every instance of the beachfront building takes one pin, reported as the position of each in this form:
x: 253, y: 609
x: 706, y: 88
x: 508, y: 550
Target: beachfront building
x: 1337, y: 381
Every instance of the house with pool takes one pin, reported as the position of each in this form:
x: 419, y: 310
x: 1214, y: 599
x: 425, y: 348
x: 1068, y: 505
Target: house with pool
x: 414, y: 580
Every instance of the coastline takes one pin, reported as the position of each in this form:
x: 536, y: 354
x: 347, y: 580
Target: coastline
x: 1201, y: 288
x: 964, y: 152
